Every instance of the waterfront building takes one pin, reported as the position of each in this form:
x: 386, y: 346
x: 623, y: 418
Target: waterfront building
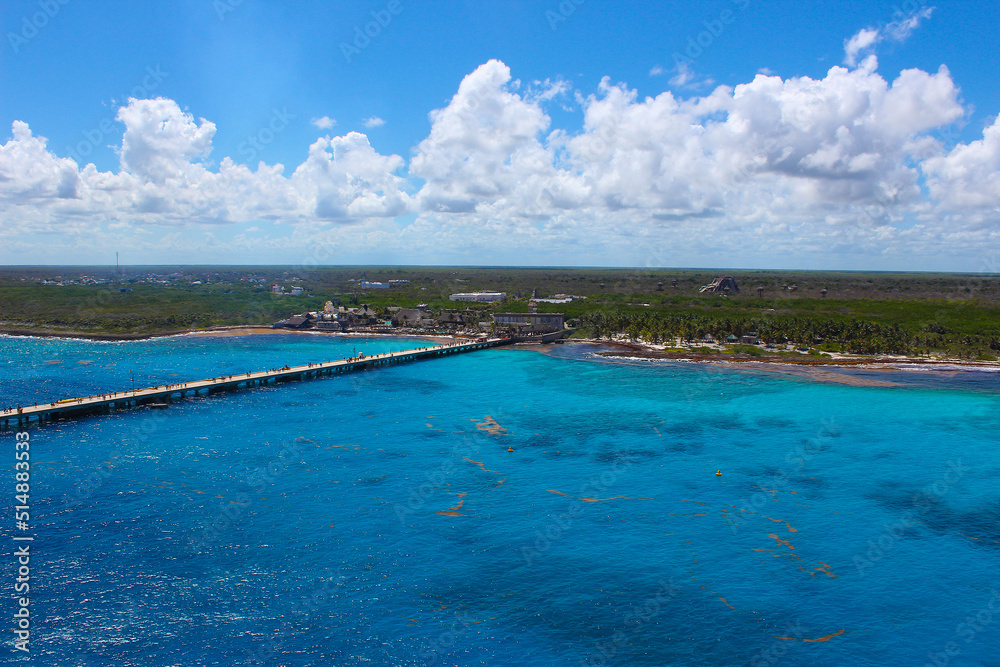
x: 482, y: 297
x: 530, y: 322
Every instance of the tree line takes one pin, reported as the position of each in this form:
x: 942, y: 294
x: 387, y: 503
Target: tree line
x: 853, y: 335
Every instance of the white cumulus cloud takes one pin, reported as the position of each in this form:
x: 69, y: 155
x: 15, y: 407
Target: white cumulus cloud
x: 163, y: 181
x: 968, y: 176
x: 850, y: 165
x: 345, y: 180
x: 160, y: 140
x: 483, y: 148
x: 865, y: 40
x: 324, y: 122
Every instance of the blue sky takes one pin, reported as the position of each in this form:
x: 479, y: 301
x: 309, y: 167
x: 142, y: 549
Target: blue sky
x: 508, y: 172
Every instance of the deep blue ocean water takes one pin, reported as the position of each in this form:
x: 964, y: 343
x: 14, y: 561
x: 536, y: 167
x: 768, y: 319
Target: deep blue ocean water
x: 379, y: 518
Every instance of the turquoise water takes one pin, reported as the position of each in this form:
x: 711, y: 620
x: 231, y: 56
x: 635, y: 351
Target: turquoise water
x: 378, y: 518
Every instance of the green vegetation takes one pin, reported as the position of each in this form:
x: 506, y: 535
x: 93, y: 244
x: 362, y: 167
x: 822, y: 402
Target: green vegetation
x: 752, y: 350
x: 845, y: 333
x: 142, y: 309
x: 867, y: 313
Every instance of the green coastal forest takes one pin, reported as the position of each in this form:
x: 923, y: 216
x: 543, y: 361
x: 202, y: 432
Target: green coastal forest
x: 954, y: 315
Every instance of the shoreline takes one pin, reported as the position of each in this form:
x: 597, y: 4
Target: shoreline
x: 214, y: 332
x: 625, y: 350
x: 887, y: 362
x: 828, y: 370
x: 83, y: 335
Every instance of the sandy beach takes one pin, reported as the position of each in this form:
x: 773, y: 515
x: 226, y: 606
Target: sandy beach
x: 218, y: 332
x: 886, y: 362
x: 268, y: 331
x: 821, y: 370
x: 245, y: 331
x: 84, y: 335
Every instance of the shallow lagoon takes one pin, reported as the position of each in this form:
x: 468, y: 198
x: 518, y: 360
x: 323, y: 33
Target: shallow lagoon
x: 379, y: 518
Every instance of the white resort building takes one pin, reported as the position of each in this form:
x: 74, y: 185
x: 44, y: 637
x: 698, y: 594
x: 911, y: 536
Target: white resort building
x: 482, y: 297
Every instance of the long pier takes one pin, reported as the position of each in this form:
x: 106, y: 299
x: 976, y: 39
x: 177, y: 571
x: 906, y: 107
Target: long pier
x: 163, y: 395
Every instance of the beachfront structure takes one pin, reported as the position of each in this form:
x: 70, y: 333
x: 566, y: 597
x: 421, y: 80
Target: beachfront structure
x: 451, y: 320
x: 482, y: 297
x: 303, y: 321
x: 410, y: 317
x: 332, y: 319
x: 530, y: 322
x: 558, y: 298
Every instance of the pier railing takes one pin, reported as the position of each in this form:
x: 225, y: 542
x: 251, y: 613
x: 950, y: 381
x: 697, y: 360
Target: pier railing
x: 163, y: 395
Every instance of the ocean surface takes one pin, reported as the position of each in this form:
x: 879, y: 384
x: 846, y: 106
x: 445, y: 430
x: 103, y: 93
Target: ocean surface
x: 502, y: 507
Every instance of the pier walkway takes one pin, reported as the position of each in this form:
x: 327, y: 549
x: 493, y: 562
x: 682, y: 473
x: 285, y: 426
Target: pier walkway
x: 161, y: 396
